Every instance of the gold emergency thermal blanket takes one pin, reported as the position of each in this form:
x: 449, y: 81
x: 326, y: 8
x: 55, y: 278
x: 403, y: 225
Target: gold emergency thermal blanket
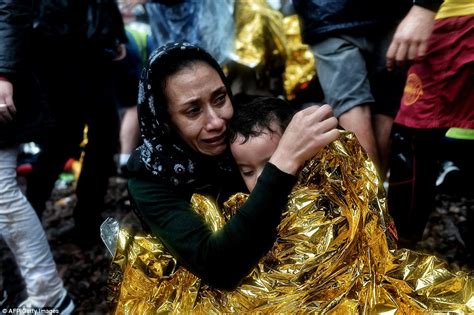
x: 334, y: 253
x: 300, y: 66
x: 272, y: 44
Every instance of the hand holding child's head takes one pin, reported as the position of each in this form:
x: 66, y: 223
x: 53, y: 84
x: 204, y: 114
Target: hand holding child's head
x: 267, y: 129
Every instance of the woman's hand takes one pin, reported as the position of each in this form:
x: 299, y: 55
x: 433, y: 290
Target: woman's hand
x: 308, y: 132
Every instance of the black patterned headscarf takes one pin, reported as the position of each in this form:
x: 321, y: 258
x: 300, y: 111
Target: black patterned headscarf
x: 163, y: 153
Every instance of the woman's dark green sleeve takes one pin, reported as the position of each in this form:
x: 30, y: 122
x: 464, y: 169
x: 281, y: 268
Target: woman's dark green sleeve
x: 224, y: 257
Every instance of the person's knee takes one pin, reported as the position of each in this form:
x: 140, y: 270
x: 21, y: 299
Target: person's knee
x: 358, y: 116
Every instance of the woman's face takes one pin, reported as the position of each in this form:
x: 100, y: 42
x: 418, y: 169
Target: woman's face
x: 199, y: 107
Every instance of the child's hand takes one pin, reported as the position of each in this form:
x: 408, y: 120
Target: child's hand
x: 308, y: 132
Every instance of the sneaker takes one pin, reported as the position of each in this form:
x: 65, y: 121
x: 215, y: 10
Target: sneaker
x: 3, y: 297
x: 121, y: 163
x: 27, y: 307
x: 446, y: 168
x: 449, y: 179
x: 64, y: 304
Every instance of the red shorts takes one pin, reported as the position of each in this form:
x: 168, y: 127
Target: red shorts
x: 439, y: 92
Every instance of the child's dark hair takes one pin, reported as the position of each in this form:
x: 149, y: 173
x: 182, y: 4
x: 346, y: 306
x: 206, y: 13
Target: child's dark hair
x: 254, y: 114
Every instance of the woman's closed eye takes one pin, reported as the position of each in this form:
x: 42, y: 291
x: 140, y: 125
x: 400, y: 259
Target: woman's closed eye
x: 247, y: 173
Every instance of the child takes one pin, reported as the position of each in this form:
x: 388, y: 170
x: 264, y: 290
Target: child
x: 255, y: 131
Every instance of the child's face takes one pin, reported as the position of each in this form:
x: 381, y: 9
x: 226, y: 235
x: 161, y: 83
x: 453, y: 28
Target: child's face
x: 252, y: 155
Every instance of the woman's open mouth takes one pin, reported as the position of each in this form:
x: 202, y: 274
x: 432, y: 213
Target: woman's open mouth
x: 215, y: 140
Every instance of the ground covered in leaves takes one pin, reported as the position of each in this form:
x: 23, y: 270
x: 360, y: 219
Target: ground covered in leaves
x: 85, y: 270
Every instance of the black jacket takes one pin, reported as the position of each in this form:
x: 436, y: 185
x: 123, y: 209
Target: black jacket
x: 16, y: 21
x: 322, y: 18
x: 85, y: 23
x: 27, y: 26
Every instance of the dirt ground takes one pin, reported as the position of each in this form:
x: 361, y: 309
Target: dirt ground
x: 85, y: 271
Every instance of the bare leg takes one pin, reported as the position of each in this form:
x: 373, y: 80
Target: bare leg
x: 383, y: 127
x: 359, y: 121
x: 129, y: 131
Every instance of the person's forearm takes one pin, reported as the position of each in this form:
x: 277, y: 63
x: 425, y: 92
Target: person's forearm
x: 224, y: 257
x: 252, y: 231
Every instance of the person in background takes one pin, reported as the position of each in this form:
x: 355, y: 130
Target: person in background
x: 23, y: 118
x: 438, y: 96
x: 352, y: 44
x: 74, y: 70
x: 206, y: 23
x: 128, y: 75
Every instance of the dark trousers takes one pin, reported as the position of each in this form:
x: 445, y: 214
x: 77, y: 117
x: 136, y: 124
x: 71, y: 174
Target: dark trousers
x: 415, y: 164
x: 79, y: 90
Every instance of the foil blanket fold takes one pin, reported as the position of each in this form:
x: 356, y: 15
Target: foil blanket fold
x: 335, y: 253
x: 272, y: 43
